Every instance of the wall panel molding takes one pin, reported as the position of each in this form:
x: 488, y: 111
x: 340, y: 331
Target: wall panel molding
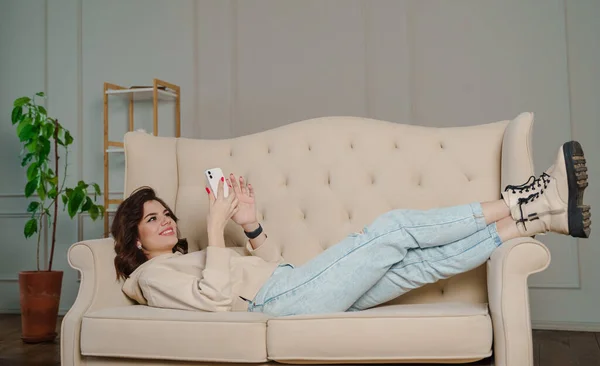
x: 46, y: 48
x: 80, y: 88
x: 21, y: 195
x: 570, y: 326
x: 576, y: 284
x: 234, y: 64
x: 366, y: 32
x: 195, y: 71
x: 44, y: 242
x: 81, y: 226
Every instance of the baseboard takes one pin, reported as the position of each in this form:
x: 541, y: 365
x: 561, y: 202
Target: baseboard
x: 574, y: 326
x: 61, y: 312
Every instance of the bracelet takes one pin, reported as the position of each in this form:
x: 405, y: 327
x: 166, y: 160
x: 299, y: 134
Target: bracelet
x: 255, y: 233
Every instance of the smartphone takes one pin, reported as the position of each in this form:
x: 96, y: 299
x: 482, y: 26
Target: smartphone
x: 213, y: 177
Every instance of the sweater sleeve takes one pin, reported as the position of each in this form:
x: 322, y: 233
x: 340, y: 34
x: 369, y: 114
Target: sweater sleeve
x: 268, y: 251
x: 167, y: 288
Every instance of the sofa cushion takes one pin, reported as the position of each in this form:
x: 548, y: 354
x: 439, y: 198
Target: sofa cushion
x: 144, y: 332
x: 461, y: 332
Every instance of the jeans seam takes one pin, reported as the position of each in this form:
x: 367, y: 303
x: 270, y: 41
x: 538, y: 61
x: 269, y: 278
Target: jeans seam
x: 444, y: 223
x: 493, y: 230
x: 450, y: 256
x: 478, y: 214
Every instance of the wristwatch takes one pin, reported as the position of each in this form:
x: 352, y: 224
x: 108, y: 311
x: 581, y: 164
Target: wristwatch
x: 255, y: 233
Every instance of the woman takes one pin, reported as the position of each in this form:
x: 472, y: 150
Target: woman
x: 399, y: 251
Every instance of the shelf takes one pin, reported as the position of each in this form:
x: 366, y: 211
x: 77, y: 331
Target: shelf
x: 165, y: 91
x: 143, y: 93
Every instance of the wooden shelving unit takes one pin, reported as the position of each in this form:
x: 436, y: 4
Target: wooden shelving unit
x: 160, y: 90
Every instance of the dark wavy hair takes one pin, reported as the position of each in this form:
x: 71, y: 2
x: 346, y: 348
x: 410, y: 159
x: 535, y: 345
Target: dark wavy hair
x: 124, y: 230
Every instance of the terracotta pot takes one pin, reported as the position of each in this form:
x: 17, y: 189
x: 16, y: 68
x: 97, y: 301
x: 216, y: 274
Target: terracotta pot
x: 40, y: 296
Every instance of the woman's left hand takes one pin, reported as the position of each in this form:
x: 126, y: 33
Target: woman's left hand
x: 246, y: 214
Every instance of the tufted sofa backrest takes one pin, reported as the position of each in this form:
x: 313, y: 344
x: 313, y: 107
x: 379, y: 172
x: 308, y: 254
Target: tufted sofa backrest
x: 321, y: 179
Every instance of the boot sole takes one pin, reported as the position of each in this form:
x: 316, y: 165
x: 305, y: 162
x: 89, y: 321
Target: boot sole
x: 579, y: 214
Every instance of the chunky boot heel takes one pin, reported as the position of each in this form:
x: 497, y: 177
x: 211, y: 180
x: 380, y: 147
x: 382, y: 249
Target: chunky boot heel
x: 579, y: 214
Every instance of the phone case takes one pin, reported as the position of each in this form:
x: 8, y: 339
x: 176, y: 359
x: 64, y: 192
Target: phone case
x: 213, y: 176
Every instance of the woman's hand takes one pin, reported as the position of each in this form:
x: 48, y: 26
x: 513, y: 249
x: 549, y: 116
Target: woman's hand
x: 221, y: 209
x: 246, y: 213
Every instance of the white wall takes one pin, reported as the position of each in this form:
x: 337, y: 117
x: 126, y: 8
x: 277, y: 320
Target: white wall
x: 246, y: 66
x: 577, y: 308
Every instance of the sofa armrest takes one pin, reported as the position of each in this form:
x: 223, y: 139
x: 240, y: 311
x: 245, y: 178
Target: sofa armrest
x: 507, y: 271
x: 517, y: 154
x: 98, y: 289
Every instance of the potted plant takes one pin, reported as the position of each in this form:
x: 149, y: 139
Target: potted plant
x: 41, y: 136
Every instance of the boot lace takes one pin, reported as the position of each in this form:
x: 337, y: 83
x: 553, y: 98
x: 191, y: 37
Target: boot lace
x: 532, y: 184
x: 525, y: 200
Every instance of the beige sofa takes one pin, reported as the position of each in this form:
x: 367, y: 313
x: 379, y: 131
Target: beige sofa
x: 316, y: 181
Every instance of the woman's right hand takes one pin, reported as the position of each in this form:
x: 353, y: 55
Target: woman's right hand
x: 221, y: 208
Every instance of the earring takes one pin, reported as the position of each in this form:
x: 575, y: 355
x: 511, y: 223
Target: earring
x: 139, y: 246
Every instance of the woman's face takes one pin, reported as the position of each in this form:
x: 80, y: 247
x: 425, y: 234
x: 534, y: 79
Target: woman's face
x: 157, y: 229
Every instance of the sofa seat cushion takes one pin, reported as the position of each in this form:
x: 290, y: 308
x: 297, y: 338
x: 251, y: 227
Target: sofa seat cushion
x: 144, y: 332
x: 454, y: 332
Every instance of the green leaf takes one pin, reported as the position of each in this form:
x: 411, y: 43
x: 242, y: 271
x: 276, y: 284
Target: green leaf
x: 82, y: 184
x: 19, y: 102
x: 52, y: 193
x: 75, y: 202
x: 32, y: 146
x: 97, y: 189
x: 40, y: 94
x: 48, y: 130
x: 94, y: 212
x: 68, y: 138
x: 42, y: 109
x: 65, y: 199
x: 30, y: 228
x: 24, y: 122
x: 33, y: 171
x: 33, y: 206
x: 53, y: 180
x: 30, y: 187
x: 41, y: 191
x: 60, y: 136
x: 26, y: 133
x: 16, y: 115
x: 45, y: 149
x: 27, y: 159
x: 39, y: 118
x: 87, y: 204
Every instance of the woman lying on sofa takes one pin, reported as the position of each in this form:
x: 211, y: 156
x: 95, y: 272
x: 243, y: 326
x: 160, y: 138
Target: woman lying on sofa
x: 399, y: 251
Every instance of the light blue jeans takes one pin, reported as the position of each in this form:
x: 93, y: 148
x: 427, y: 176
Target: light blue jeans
x: 399, y: 251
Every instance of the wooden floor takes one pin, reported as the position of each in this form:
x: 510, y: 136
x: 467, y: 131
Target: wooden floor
x: 552, y: 348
